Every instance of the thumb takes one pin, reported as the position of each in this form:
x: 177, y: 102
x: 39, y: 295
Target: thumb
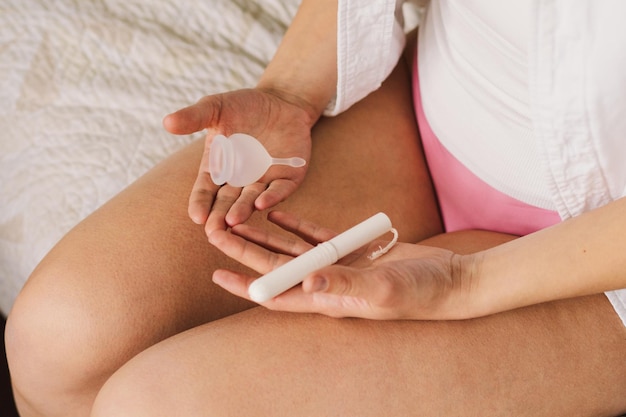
x: 346, y: 281
x: 204, y: 114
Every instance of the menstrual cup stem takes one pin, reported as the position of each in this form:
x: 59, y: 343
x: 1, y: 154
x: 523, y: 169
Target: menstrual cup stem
x: 241, y: 159
x: 293, y: 162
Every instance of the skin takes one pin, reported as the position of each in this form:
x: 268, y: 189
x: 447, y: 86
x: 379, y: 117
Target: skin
x: 122, y: 317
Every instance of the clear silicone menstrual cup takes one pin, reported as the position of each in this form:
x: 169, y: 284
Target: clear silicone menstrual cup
x: 241, y: 160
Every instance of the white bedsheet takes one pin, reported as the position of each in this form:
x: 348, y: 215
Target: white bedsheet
x: 84, y: 85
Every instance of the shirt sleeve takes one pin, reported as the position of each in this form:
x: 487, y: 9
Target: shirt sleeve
x: 577, y: 62
x: 370, y: 40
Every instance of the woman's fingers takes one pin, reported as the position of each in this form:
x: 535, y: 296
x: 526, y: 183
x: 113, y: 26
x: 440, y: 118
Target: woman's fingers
x: 204, y: 190
x: 293, y: 300
x: 201, y: 199
x: 277, y: 191
x: 233, y: 282
x: 297, y: 300
x: 221, y: 204
x: 242, y: 208
x: 284, y: 244
x: 377, y: 285
x: 204, y: 114
x: 306, y: 230
x: 248, y: 253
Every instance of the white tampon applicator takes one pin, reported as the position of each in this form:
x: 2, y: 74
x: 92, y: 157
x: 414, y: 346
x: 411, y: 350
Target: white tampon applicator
x: 327, y: 253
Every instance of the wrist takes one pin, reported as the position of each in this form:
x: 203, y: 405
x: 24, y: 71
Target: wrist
x: 500, y: 281
x: 491, y: 286
x: 470, y: 301
x: 304, y: 69
x: 310, y: 108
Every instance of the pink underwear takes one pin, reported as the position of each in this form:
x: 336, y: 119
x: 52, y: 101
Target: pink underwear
x: 467, y: 202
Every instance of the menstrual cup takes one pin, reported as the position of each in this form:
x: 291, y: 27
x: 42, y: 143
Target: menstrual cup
x: 241, y: 160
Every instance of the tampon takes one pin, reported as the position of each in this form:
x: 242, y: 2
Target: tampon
x: 327, y: 253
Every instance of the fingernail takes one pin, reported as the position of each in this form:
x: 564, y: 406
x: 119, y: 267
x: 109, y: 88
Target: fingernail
x: 319, y: 284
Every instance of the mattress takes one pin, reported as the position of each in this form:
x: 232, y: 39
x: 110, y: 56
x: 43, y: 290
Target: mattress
x: 84, y: 85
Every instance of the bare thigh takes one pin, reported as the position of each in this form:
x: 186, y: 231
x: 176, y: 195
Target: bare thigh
x: 138, y: 270
x: 559, y: 359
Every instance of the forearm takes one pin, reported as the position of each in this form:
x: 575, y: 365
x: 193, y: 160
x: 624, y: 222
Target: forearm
x: 304, y: 68
x: 581, y: 256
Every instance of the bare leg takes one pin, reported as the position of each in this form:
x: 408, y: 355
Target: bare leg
x: 138, y: 270
x: 559, y: 359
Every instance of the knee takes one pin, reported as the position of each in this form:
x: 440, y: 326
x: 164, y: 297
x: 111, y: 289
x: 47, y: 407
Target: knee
x: 132, y: 393
x: 151, y: 387
x: 54, y: 348
x: 170, y: 379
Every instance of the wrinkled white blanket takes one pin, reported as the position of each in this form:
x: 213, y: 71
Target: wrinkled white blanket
x: 84, y: 85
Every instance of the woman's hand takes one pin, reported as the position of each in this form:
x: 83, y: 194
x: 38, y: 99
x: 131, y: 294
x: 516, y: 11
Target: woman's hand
x: 409, y: 282
x: 292, y: 93
x: 281, y: 122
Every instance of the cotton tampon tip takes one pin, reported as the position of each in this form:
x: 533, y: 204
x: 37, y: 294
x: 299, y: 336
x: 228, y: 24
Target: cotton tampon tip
x: 259, y: 293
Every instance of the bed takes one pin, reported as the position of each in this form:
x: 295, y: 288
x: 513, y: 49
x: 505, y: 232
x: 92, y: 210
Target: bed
x: 83, y: 88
